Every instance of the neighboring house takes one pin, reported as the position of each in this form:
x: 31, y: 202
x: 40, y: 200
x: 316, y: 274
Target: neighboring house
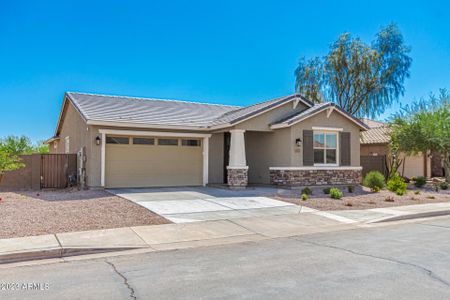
x: 137, y: 142
x: 375, y: 152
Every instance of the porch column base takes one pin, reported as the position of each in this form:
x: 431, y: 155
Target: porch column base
x: 237, y: 177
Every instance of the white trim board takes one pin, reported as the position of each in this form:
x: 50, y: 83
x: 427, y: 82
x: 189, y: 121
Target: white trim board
x: 327, y: 128
x: 154, y: 133
x: 312, y: 168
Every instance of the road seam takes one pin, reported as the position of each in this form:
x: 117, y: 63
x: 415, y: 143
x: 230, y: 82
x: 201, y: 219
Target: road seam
x: 430, y: 273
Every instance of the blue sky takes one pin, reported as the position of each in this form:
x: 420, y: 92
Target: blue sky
x: 231, y: 52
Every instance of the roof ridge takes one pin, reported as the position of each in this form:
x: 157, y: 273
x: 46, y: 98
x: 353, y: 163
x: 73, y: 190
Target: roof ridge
x: 153, y: 99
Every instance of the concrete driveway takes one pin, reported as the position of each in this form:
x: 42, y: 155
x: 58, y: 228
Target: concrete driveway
x: 192, y: 204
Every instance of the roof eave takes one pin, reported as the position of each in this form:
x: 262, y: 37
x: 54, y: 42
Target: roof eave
x: 313, y: 113
x: 145, y: 125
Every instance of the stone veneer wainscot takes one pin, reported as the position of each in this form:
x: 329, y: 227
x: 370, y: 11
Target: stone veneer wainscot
x: 307, y: 176
x: 237, y: 177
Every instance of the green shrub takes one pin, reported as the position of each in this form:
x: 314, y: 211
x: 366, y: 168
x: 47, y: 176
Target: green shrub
x: 417, y: 192
x: 350, y: 188
x: 431, y: 197
x: 305, y: 197
x: 336, y: 193
x: 420, y: 181
x: 436, y: 187
x: 374, y: 180
x: 307, y: 191
x: 397, y: 185
x: 443, y: 185
x: 326, y: 190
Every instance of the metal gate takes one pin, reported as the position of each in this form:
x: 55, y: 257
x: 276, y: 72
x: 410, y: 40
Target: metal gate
x: 56, y: 169
x: 374, y: 163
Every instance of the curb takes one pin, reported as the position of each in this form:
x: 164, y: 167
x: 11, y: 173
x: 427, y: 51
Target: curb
x: 414, y: 216
x: 21, y: 256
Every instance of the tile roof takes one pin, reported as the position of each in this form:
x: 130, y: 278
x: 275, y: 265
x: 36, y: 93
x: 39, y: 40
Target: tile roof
x: 147, y: 110
x: 289, y: 120
x: 245, y: 112
x: 101, y: 109
x: 377, y: 134
x: 166, y: 112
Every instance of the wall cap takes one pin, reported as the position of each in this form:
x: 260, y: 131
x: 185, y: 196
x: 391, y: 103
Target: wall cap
x: 314, y: 168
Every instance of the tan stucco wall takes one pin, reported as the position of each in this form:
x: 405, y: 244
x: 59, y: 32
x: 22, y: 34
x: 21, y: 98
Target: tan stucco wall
x: 335, y: 120
x: 216, y: 155
x: 264, y: 150
x: 371, y: 149
x: 263, y: 121
x: 73, y: 126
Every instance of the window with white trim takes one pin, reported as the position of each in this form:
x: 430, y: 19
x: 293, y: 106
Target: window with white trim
x: 325, y: 148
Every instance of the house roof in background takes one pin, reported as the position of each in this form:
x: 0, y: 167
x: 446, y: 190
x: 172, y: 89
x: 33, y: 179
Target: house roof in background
x: 377, y: 134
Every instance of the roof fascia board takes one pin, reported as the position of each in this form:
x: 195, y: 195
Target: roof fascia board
x: 283, y: 125
x: 281, y: 103
x: 67, y: 100
x: 142, y: 125
x: 154, y: 133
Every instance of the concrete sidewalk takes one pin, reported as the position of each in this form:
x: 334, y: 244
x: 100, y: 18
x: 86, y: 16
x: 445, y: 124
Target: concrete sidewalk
x: 164, y: 237
x: 395, y: 213
x: 207, y: 233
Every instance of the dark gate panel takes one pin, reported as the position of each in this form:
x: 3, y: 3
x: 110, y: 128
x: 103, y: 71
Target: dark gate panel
x: 56, y: 169
x: 374, y: 163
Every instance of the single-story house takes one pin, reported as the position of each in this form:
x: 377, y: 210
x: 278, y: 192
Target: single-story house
x: 375, y: 143
x: 140, y: 142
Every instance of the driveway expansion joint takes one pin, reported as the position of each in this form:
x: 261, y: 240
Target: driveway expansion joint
x: 424, y: 270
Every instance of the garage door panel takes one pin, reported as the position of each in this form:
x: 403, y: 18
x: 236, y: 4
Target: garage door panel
x: 153, y: 165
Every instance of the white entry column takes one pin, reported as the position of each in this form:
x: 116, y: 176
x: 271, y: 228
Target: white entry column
x: 237, y: 168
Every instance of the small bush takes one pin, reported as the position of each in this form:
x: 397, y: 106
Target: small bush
x: 374, y: 180
x: 413, y: 178
x: 305, y: 197
x: 397, y: 185
x: 420, y: 181
x: 389, y: 199
x: 417, y: 192
x: 348, y: 204
x: 336, y: 193
x: 326, y: 190
x: 443, y: 185
x: 436, y: 187
x: 350, y: 188
x: 431, y: 197
x: 307, y: 191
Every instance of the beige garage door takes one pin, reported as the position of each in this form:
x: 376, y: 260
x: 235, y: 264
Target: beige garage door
x: 153, y: 162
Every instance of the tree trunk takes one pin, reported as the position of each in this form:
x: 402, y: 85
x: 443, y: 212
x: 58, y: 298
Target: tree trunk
x: 1, y: 176
x: 447, y: 167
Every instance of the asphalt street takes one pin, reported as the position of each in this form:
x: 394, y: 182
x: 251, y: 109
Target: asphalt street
x: 399, y: 261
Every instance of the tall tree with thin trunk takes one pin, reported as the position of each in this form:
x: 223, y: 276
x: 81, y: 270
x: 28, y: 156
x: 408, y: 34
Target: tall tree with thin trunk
x: 362, y: 79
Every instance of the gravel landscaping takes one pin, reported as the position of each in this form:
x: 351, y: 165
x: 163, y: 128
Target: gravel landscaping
x: 362, y: 198
x: 45, y: 212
